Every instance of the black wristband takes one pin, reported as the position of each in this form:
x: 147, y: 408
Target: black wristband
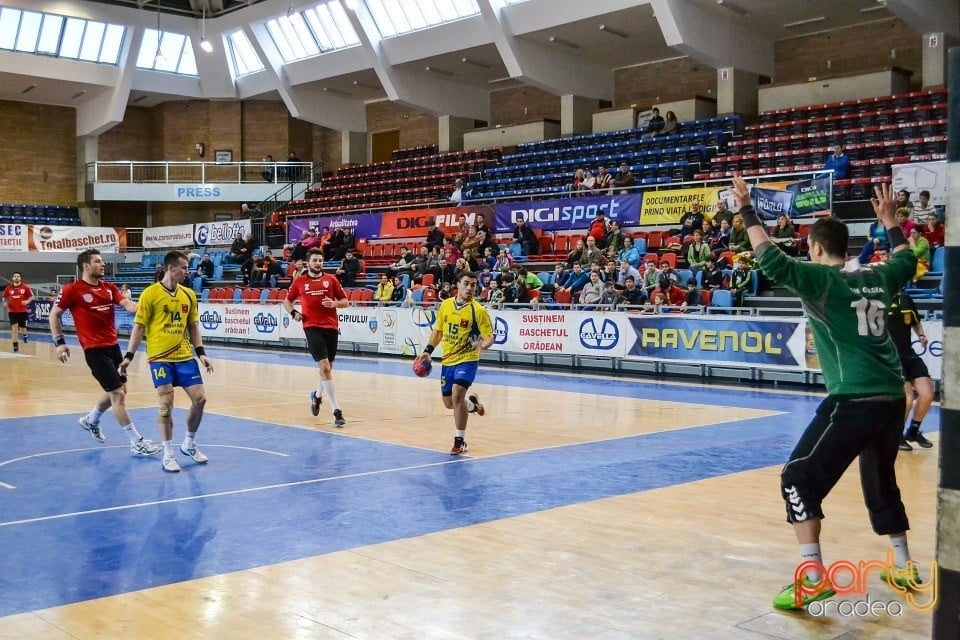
x: 428, y: 349
x: 296, y: 315
x: 60, y: 341
x: 750, y: 217
x: 200, y: 351
x: 896, y: 237
x: 129, y: 356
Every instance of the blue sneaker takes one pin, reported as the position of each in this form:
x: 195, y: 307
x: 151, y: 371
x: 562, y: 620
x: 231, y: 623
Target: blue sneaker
x: 315, y: 401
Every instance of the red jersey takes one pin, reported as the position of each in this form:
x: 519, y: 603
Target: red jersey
x: 16, y: 297
x: 312, y: 292
x: 92, y: 309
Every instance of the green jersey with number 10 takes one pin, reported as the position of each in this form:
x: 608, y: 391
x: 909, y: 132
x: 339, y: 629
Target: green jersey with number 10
x: 847, y: 311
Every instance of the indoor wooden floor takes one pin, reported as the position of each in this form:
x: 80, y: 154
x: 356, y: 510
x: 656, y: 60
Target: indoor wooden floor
x: 698, y: 553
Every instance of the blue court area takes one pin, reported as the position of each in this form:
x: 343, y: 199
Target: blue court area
x: 80, y: 520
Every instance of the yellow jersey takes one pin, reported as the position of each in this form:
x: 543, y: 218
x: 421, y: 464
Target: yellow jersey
x: 458, y: 324
x: 165, y: 316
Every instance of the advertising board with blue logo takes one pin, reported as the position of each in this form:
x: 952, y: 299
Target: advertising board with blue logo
x: 584, y: 333
x: 569, y: 213
x: 405, y: 331
x: 357, y: 324
x: 210, y: 234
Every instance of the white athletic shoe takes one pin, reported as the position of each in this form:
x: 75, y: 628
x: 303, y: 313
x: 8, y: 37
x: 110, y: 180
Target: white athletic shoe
x: 170, y: 464
x: 93, y: 428
x: 145, y: 447
x: 194, y: 453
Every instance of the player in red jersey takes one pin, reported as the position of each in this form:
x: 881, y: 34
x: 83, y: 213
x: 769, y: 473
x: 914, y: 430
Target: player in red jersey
x: 91, y: 301
x: 17, y: 296
x: 320, y: 296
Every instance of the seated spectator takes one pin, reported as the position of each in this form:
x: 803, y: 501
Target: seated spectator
x: 656, y: 303
x: 531, y: 279
x: 584, y: 181
x: 575, y: 280
x: 205, y: 270
x: 347, y: 243
x: 739, y: 240
x: 655, y: 124
x: 610, y: 297
x: 457, y: 194
x: 650, y: 276
x: 692, y: 299
x: 919, y: 246
x: 624, y: 179
x: 559, y: 272
x: 903, y: 219
x: 471, y: 241
x: 268, y: 174
x: 446, y: 291
x: 667, y: 272
x: 625, y: 271
x: 721, y: 241
x: 242, y: 248
x: 448, y: 271
x: 604, y: 180
x: 615, y: 238
x: 784, y: 235
x: 630, y: 253
x: 599, y: 228
x: 740, y: 280
x: 721, y: 213
x: 125, y: 290
x: 632, y: 294
x: 839, y: 162
x: 932, y: 230
x: 873, y: 252
x: 493, y: 296
x: 526, y: 238
x: 384, y: 292
x: 404, y: 263
x: 922, y: 211
x: 450, y: 251
x: 672, y: 294
x: 670, y: 124
x: 489, y: 258
x: 690, y: 221
x: 707, y: 231
x: 265, y: 271
x: 877, y: 234
x: 435, y: 236
x: 591, y: 253
x: 420, y: 263
x: 575, y: 254
x: 503, y: 261
x: 399, y: 293
x: 158, y: 273
x: 903, y: 200
x: 296, y: 269
x: 348, y: 270
x: 712, y: 277
x: 609, y: 272
x: 592, y: 291
x: 697, y: 252
x: 472, y: 259
x: 332, y: 247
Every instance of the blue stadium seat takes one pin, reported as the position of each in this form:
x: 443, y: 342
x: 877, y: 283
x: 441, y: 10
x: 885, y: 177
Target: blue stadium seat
x: 721, y: 298
x: 937, y: 261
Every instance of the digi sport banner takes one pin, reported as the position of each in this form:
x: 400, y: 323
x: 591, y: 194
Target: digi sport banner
x: 569, y: 213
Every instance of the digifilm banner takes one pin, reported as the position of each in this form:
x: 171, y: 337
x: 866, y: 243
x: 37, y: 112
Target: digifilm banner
x: 76, y: 239
x: 414, y: 223
x: 569, y: 213
x: 776, y: 343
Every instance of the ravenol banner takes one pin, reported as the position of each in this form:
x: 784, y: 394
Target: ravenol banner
x: 706, y: 339
x: 569, y: 213
x: 667, y: 206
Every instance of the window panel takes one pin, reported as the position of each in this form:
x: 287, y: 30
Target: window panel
x: 29, y: 31
x: 430, y: 11
x: 325, y: 38
x: 9, y: 23
x: 112, y: 41
x: 171, y: 47
x: 395, y: 17
x: 379, y: 13
x: 342, y: 22
x: 280, y: 39
x: 304, y: 36
x: 188, y: 61
x: 50, y: 34
x: 92, y: 40
x: 448, y: 10
x: 466, y: 8
x: 244, y: 59
x: 148, y: 49
x: 72, y: 36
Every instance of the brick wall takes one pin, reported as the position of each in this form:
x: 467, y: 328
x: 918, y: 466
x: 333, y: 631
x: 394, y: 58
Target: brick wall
x: 39, y: 159
x: 264, y: 130
x: 416, y: 128
x: 327, y: 149
x: 133, y: 139
x: 124, y: 214
x: 858, y: 48
x: 663, y: 81
x: 300, y: 136
x: 522, y: 104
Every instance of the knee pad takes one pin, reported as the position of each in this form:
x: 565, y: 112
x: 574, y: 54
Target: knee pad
x: 165, y: 412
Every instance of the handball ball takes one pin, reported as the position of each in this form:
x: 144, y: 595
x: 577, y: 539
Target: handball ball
x: 422, y: 366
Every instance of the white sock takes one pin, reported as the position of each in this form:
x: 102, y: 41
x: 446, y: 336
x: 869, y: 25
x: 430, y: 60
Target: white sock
x: 132, y: 433
x: 188, y: 439
x: 461, y: 433
x: 94, y: 415
x: 327, y: 387
x: 319, y: 387
x: 901, y: 554
x: 811, y: 553
x: 471, y: 406
x: 168, y: 451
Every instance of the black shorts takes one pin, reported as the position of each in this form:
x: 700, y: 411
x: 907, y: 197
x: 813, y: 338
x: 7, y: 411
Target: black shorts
x: 20, y: 319
x: 103, y: 363
x: 913, y: 368
x: 322, y: 343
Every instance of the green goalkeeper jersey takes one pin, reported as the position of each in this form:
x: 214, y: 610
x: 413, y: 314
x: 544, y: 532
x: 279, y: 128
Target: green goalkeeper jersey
x: 847, y: 311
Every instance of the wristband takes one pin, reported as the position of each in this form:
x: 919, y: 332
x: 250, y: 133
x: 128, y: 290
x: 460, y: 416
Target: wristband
x: 896, y: 237
x: 750, y: 217
x: 129, y: 356
x: 428, y: 349
x: 60, y: 341
x: 296, y: 315
x: 200, y: 351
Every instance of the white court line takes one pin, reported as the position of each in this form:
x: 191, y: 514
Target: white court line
x: 126, y: 446
x: 232, y: 492
x: 7, y: 486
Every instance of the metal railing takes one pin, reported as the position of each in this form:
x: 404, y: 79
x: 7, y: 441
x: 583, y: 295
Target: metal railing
x: 163, y: 172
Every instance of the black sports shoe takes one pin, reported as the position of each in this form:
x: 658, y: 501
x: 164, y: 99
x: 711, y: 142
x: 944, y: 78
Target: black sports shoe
x: 315, y: 401
x: 477, y: 407
x: 904, y: 445
x: 459, y: 447
x: 338, y: 420
x: 916, y: 436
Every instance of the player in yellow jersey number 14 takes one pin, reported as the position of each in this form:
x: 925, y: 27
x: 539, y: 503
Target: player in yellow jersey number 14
x: 465, y: 328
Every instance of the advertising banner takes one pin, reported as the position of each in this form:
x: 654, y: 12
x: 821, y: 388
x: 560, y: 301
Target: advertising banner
x: 667, y: 206
x: 243, y: 321
x: 40, y: 311
x: 405, y: 331
x: 357, y: 324
x: 932, y: 354
x: 715, y: 340
x: 13, y: 237
x: 569, y: 213
x: 810, y: 197
x: 770, y: 203
x: 180, y: 235
x: 364, y: 225
x: 218, y: 234
x: 922, y: 176
x: 559, y: 332
x: 76, y: 239
x: 412, y: 223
